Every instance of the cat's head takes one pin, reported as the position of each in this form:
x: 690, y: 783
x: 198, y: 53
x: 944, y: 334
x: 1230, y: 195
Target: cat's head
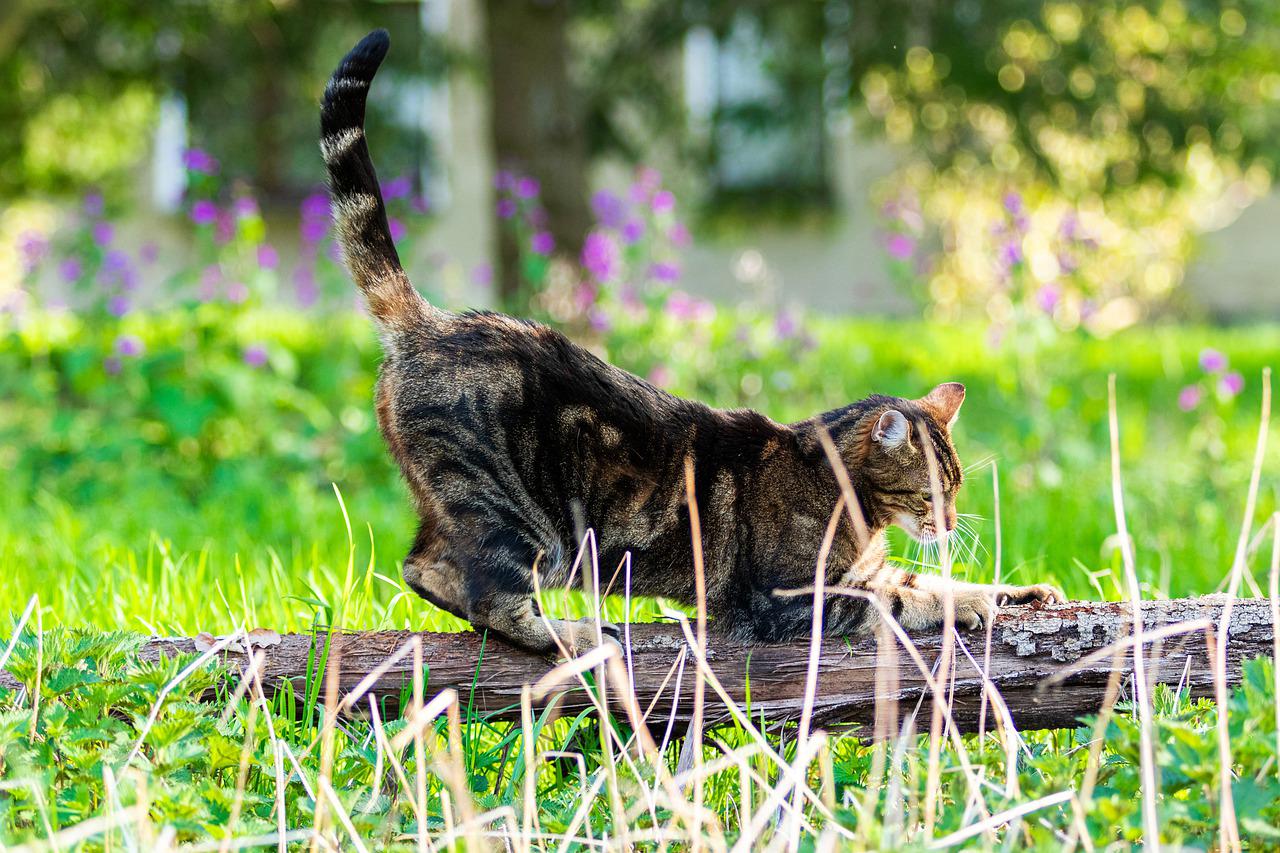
x: 893, y: 443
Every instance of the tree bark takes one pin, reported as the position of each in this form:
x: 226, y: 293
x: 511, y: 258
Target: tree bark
x: 1031, y: 649
x: 536, y: 123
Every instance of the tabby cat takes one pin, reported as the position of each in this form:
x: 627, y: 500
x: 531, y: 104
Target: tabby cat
x: 513, y: 440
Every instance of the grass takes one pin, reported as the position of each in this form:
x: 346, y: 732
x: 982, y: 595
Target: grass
x: 194, y: 493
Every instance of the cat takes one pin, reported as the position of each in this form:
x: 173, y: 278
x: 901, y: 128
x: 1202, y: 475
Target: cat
x: 513, y: 439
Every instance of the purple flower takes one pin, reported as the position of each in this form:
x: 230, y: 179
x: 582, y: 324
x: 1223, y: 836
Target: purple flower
x: 93, y: 203
x: 665, y: 271
x: 630, y: 299
x: 397, y: 188
x: 33, y: 246
x: 129, y: 346
x: 313, y: 230
x: 785, y: 325
x: 237, y: 292
x: 421, y: 205
x: 504, y: 181
x: 111, y: 365
x: 1011, y: 253
x: 528, y: 188
x: 542, y: 243
x: 316, y: 206
x: 584, y: 297
x: 1047, y: 297
x: 268, y: 257
x: 608, y: 208
x: 648, y: 180
x: 1212, y: 361
x: 70, y: 270
x: 663, y: 201
x: 900, y: 247
x: 678, y: 234
x: 506, y: 208
x: 632, y: 231
x: 482, y: 275
x: 149, y: 252
x: 1013, y: 202
x: 397, y: 229
x: 118, y: 306
x: 600, y: 256
x: 1189, y: 398
x: 103, y: 233
x: 660, y: 376
x: 304, y: 285
x: 204, y: 212
x: 115, y: 261
x: 681, y: 306
x: 1231, y: 384
x: 245, y: 206
x: 255, y: 355
x: 224, y: 228
x: 1070, y: 227
x: 199, y: 160
x: 598, y: 320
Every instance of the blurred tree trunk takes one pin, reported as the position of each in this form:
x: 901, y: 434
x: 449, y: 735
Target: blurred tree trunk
x: 537, y: 123
x: 266, y: 109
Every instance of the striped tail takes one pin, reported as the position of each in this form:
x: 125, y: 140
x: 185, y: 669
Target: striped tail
x: 359, y: 213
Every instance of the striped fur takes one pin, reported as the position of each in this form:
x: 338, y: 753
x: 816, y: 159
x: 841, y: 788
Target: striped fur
x: 359, y: 213
x: 513, y: 441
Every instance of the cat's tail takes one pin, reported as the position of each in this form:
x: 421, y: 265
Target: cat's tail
x: 358, y: 210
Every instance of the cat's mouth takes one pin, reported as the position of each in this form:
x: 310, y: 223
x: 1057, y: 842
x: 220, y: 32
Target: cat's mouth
x: 923, y: 532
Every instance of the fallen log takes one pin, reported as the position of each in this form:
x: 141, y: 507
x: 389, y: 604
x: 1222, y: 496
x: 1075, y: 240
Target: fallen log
x: 1050, y: 663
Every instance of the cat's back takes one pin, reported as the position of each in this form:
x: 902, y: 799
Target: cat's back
x: 495, y: 360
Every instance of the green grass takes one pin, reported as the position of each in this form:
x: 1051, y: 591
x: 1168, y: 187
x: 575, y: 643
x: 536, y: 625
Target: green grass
x: 192, y: 492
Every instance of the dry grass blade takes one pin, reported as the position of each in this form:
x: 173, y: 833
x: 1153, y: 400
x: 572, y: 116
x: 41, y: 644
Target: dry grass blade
x: 170, y: 687
x: 1000, y: 819
x: 694, y: 737
x: 939, y: 705
x: 1147, y: 768
x: 1229, y: 830
x: 84, y: 830
x: 815, y: 645
x: 1274, y: 589
x: 986, y: 651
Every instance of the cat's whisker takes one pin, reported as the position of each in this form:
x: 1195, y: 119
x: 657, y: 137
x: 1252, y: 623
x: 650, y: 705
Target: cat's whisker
x: 980, y: 463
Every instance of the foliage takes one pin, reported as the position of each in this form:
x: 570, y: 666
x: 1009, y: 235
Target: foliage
x: 81, y: 83
x: 1063, y: 156
x: 93, y: 729
x: 196, y: 456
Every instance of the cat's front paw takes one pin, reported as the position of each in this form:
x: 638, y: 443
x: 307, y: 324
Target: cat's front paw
x: 579, y: 637
x: 1040, y: 593
x: 974, y: 609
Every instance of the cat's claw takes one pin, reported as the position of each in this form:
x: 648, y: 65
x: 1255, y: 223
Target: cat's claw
x: 1040, y: 593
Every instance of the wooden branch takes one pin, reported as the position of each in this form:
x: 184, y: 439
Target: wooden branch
x: 1050, y: 664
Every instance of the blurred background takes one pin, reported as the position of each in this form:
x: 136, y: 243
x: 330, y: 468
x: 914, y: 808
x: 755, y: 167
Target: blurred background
x: 777, y: 205
x: 1102, y: 162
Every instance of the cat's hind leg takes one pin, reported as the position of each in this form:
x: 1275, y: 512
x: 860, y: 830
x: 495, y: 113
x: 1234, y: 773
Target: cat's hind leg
x: 432, y: 576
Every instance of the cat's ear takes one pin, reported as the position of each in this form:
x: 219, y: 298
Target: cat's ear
x: 890, y: 430
x: 945, y: 401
